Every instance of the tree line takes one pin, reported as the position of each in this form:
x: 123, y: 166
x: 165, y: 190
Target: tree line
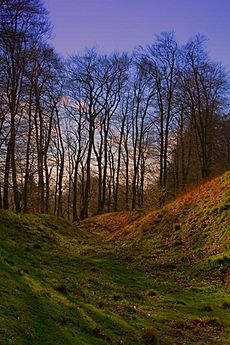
x: 98, y: 133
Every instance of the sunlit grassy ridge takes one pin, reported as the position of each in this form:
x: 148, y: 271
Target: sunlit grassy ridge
x: 158, y: 277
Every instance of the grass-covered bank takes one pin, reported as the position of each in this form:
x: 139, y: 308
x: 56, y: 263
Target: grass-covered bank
x: 127, y: 278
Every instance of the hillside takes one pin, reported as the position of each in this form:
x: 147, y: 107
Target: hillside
x: 194, y: 230
x: 159, y: 277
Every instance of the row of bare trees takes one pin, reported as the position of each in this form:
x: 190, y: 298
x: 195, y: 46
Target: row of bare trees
x: 100, y: 133
x: 30, y: 72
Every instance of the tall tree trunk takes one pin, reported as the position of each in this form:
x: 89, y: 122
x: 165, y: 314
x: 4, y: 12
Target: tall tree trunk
x: 75, y: 182
x: 6, y: 179
x: 28, y: 148
x: 85, y: 204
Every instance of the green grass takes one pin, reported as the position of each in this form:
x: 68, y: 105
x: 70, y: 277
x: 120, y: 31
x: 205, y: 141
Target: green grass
x: 164, y: 281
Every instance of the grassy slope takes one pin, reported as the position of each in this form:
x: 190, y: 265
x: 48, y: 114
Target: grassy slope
x: 126, y: 278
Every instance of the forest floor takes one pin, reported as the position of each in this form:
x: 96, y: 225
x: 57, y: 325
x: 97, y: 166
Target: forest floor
x: 144, y: 277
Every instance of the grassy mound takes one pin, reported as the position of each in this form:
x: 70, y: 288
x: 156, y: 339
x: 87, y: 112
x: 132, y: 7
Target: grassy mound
x: 191, y: 233
x: 160, y: 277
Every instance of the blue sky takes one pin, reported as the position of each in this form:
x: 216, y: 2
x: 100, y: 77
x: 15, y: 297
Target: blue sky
x: 120, y: 25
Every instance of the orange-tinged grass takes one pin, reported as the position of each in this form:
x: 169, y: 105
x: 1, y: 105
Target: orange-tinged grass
x: 191, y: 207
x: 113, y: 226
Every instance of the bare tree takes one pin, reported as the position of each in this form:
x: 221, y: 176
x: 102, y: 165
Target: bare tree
x: 205, y: 84
x: 160, y: 63
x: 141, y: 125
x: 22, y: 23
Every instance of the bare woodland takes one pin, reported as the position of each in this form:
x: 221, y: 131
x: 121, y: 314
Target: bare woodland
x: 100, y: 133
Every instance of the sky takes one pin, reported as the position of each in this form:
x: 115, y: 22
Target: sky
x: 121, y: 25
